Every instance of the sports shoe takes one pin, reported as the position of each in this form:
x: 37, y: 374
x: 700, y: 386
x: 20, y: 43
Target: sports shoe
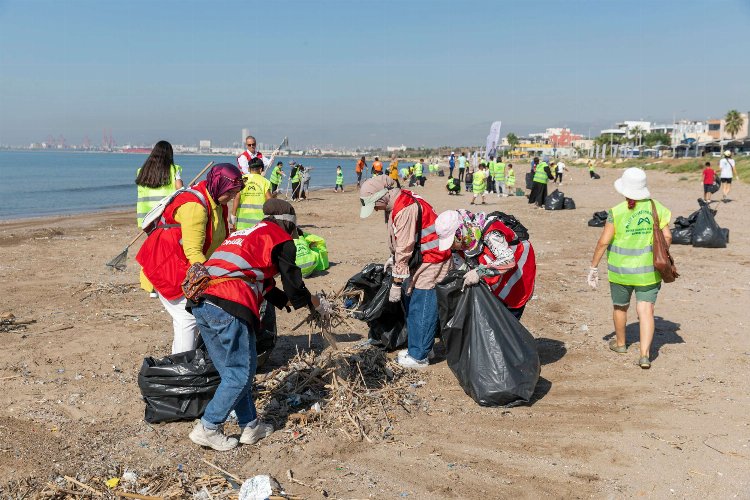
x: 405, y: 352
x: 409, y: 362
x: 251, y: 435
x: 213, y: 438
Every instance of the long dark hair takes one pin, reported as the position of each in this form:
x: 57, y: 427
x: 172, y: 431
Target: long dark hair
x: 156, y: 170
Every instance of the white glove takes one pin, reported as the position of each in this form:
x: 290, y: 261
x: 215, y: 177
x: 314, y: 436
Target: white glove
x: 593, y: 278
x: 395, y: 293
x: 471, y: 278
x: 232, y: 220
x: 324, y: 307
x: 388, y: 263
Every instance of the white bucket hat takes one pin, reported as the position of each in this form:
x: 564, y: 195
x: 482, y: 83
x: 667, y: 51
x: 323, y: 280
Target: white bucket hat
x: 727, y: 152
x: 446, y: 225
x: 632, y: 184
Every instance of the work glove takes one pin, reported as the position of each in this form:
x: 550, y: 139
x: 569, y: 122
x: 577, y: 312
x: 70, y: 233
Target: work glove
x: 324, y: 307
x: 471, y: 278
x: 388, y: 263
x: 395, y: 293
x: 593, y: 278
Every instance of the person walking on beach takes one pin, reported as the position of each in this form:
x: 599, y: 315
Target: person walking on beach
x: 248, y: 204
x: 191, y: 228
x: 461, y: 167
x: 361, y: 166
x: 393, y: 168
x: 277, y: 175
x: 628, y: 238
x: 413, y: 284
x: 479, y: 184
x: 539, y: 183
x: 419, y: 172
x: 250, y: 152
x: 339, y: 180
x: 510, y: 180
x: 559, y: 171
x: 242, y: 274
x: 709, y: 178
x: 451, y: 163
x: 306, y: 176
x: 377, y: 167
x: 294, y: 178
x: 727, y: 170
x: 469, y: 181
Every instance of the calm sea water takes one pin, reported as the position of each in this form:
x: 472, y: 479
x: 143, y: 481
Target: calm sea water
x: 39, y: 183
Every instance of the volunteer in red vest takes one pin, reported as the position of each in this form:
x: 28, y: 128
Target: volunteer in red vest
x: 249, y: 154
x: 192, y: 226
x: 413, y: 282
x: 491, y: 252
x: 242, y: 274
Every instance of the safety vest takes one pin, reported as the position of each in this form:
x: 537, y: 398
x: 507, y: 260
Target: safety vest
x: 404, y: 172
x: 276, y: 175
x: 377, y: 166
x: 418, y: 169
x: 161, y: 255
x: 499, y: 170
x: 511, y: 178
x: 295, y: 177
x: 246, y: 255
x: 515, y: 287
x: 252, y: 198
x: 340, y: 178
x: 630, y: 256
x: 428, y: 237
x: 306, y: 259
x: 452, y: 184
x: 479, y: 181
x: 540, y: 175
x: 491, y: 167
x: 148, y: 197
x: 591, y: 167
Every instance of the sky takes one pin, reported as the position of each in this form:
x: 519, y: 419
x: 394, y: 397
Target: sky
x: 361, y: 72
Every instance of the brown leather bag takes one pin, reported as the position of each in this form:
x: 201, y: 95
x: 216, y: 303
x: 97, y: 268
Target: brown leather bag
x: 663, y: 261
x: 197, y: 280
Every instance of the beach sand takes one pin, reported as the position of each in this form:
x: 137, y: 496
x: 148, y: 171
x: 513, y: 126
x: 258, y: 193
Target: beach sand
x: 600, y: 426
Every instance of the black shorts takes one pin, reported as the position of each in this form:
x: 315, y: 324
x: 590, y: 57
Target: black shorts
x: 707, y: 188
x: 726, y: 180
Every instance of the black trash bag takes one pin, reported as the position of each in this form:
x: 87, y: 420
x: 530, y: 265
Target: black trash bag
x: 555, y: 200
x: 441, y: 173
x: 522, y: 234
x: 713, y: 188
x: 725, y: 232
x: 682, y: 235
x: 706, y: 232
x: 492, y: 355
x: 177, y: 387
x: 386, y: 320
x: 597, y: 223
x: 569, y: 204
x: 597, y: 176
x: 601, y: 215
x: 683, y: 222
x: 529, y: 180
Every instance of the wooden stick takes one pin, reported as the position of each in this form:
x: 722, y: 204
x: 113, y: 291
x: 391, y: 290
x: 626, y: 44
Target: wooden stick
x: 136, y: 496
x: 222, y: 470
x: 84, y: 486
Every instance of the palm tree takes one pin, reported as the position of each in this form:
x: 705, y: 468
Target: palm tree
x: 734, y: 122
x: 637, y: 132
x: 512, y: 140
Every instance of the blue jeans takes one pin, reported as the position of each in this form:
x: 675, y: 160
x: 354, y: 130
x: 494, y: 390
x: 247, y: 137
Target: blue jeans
x: 421, y: 321
x: 230, y: 343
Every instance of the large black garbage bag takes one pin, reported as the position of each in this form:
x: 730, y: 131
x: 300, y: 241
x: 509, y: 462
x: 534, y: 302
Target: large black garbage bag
x: 706, y: 232
x: 683, y: 222
x: 598, y: 219
x: 596, y: 176
x: 569, y: 204
x: 491, y: 354
x: 554, y: 201
x: 529, y: 180
x: 177, y: 387
x: 682, y: 235
x: 522, y: 234
x: 386, y: 320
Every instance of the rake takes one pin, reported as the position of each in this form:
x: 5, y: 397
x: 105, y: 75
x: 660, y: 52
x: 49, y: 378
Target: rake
x: 120, y: 262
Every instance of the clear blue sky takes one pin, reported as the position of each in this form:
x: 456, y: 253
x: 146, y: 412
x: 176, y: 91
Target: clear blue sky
x: 365, y: 72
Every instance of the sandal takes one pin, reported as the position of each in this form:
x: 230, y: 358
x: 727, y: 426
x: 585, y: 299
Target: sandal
x: 620, y: 349
x: 644, y: 362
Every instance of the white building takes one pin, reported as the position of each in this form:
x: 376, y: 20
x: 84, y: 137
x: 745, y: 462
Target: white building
x: 245, y: 133
x: 204, y: 145
x: 392, y: 149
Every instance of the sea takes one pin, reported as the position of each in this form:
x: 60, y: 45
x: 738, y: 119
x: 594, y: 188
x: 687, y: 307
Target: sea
x: 48, y: 183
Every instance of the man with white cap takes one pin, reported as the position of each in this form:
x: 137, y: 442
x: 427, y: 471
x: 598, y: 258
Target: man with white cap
x: 628, y: 238
x: 727, y: 171
x: 491, y: 252
x: 417, y: 262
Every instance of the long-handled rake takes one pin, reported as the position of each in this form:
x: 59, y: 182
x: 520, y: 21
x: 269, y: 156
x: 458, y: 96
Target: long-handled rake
x: 120, y: 262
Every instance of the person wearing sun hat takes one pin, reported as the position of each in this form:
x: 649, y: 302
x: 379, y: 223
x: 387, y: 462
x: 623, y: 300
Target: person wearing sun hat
x: 727, y: 171
x: 628, y: 238
x: 417, y: 266
x: 491, y: 252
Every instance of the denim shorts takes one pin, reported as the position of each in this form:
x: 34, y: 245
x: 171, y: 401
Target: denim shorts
x: 621, y: 293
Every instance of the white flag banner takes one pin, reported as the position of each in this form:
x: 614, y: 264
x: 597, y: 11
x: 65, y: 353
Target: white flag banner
x: 493, y: 140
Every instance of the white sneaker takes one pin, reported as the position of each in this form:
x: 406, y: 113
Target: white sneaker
x: 153, y: 295
x: 212, y: 438
x: 251, y: 435
x: 405, y: 352
x: 409, y: 362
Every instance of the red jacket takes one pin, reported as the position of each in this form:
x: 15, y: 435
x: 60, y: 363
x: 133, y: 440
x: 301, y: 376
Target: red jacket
x: 161, y: 256
x: 515, y: 287
x: 246, y: 254
x: 429, y: 238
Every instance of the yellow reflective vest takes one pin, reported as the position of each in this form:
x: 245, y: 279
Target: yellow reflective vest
x: 252, y: 198
x: 148, y: 198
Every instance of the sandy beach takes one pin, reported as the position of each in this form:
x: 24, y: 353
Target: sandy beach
x: 599, y: 426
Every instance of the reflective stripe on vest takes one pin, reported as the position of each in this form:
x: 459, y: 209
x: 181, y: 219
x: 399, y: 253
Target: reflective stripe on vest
x: 540, y: 175
x: 630, y: 258
x: 252, y: 198
x: 516, y: 277
x: 237, y: 261
x: 511, y: 179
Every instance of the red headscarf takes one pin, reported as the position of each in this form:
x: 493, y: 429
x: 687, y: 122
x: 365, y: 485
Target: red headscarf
x: 223, y: 177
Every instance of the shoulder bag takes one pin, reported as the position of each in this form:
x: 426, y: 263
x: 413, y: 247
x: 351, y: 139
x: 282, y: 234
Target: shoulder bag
x: 663, y: 261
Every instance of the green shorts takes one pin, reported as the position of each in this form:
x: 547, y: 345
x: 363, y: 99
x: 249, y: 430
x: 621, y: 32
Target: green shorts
x: 621, y: 293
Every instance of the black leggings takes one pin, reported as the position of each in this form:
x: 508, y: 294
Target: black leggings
x: 461, y: 174
x: 558, y: 177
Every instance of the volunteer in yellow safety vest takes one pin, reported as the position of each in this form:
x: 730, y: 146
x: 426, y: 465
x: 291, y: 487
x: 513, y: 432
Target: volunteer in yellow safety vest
x: 156, y: 179
x: 628, y: 239
x: 248, y: 204
x: 539, y: 185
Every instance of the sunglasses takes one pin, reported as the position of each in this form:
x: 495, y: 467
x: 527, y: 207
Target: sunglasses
x: 250, y: 144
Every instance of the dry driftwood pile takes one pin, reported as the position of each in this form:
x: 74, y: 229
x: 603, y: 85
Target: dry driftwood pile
x: 357, y: 391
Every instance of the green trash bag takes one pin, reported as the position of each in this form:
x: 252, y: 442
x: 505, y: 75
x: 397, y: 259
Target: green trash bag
x: 318, y: 247
x: 306, y: 259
